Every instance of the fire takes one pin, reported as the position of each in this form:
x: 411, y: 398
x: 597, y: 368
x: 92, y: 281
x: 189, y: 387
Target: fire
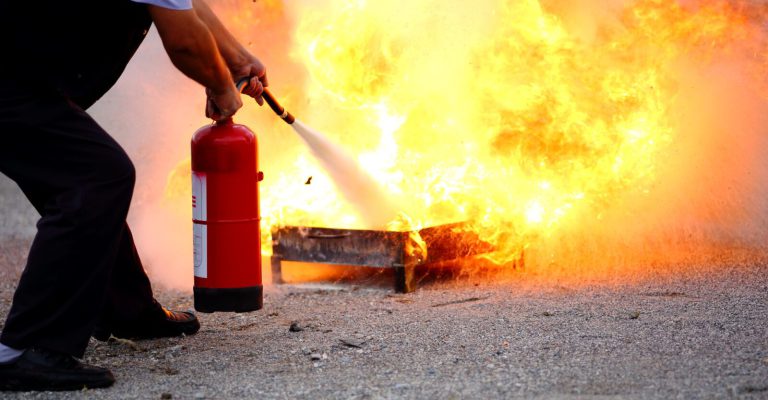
x: 524, y: 117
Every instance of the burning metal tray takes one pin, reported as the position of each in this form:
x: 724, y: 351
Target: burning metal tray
x: 402, y: 251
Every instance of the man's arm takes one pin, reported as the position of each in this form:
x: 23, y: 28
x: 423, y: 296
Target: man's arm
x: 241, y: 62
x: 193, y: 49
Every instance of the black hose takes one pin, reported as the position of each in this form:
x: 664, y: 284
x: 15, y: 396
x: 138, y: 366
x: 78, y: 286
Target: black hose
x: 276, y: 107
x: 271, y: 101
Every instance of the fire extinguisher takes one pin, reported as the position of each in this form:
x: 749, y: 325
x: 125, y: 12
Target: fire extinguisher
x: 225, y: 204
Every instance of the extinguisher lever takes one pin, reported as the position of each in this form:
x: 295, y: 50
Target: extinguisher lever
x: 271, y: 101
x: 242, y: 84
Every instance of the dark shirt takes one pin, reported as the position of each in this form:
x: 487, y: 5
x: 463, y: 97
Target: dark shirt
x: 77, y: 47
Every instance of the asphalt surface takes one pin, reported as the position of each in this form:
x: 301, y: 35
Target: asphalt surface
x: 694, y: 332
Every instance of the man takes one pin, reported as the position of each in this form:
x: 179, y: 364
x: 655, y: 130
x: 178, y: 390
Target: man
x: 83, y: 275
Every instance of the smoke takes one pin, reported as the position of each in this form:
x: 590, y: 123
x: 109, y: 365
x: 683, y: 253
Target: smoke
x: 359, y: 188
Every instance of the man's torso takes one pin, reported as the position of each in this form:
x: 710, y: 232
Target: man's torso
x: 78, y: 47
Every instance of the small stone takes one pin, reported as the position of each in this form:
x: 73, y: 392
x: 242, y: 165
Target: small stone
x: 125, y: 342
x: 316, y: 356
x: 547, y: 314
x: 166, y: 396
x: 356, y: 343
x: 634, y: 315
x: 295, y: 327
x: 400, y: 298
x: 199, y: 395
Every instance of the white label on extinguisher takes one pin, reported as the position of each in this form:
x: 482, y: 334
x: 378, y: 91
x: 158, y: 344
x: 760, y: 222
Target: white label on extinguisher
x: 200, y: 234
x: 199, y: 197
x: 200, y: 231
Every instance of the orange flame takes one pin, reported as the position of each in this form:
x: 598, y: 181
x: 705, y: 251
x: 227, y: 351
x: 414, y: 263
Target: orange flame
x: 526, y: 117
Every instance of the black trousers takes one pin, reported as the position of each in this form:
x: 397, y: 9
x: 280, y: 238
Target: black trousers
x: 83, y: 269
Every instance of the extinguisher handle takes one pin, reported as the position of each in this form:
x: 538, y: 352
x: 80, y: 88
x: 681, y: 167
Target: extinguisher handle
x: 242, y: 84
x: 271, y: 101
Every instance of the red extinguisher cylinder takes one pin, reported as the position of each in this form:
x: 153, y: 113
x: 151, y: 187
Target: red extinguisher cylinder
x: 225, y: 205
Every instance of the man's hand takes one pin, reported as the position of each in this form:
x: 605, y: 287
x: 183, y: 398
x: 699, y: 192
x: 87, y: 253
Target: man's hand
x: 251, y: 68
x: 221, y: 106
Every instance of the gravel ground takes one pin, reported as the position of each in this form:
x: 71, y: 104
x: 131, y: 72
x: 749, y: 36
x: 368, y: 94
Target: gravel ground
x: 692, y: 333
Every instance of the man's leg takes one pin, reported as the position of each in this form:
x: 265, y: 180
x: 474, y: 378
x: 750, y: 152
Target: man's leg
x: 81, y: 181
x: 62, y: 150
x: 129, y: 299
x: 130, y: 293
x: 130, y: 310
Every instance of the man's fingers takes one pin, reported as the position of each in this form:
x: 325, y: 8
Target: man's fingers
x: 226, y: 113
x: 250, y: 87
x: 232, y: 109
x: 258, y: 90
x: 259, y: 70
x: 218, y: 112
x: 263, y: 78
x: 254, y: 89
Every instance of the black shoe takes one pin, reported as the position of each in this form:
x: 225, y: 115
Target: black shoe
x: 40, y: 369
x: 158, y: 323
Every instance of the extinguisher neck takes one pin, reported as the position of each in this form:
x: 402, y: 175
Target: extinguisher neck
x: 227, y: 121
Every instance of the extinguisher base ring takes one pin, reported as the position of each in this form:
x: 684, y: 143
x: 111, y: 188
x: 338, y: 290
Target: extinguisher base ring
x: 208, y: 300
